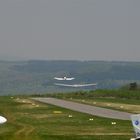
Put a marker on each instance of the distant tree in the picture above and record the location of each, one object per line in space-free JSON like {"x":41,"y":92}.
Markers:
{"x":133,"y":86}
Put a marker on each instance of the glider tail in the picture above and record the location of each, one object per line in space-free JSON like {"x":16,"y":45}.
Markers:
{"x":136,"y":124}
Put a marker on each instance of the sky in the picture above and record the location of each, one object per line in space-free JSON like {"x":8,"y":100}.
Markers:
{"x":70,"y":30}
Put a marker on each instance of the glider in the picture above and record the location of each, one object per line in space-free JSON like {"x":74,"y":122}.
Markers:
{"x":136,"y":124}
{"x":75,"y":85}
{"x":63,"y":78}
{"x":2,"y":119}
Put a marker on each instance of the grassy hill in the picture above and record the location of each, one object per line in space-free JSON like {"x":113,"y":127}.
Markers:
{"x":25,"y":77}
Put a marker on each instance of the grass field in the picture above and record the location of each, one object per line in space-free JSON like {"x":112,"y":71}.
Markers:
{"x":30,"y":120}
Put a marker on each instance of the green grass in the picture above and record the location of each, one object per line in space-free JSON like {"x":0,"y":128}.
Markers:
{"x":30,"y":120}
{"x":118,"y":96}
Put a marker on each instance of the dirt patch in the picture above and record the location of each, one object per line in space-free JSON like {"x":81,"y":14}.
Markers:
{"x":25,"y":130}
{"x":39,"y":116}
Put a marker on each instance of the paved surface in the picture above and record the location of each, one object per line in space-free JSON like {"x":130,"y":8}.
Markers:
{"x":97,"y":111}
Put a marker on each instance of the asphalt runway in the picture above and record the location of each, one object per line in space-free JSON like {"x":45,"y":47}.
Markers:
{"x":92,"y":110}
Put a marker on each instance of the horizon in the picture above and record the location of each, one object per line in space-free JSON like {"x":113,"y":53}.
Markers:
{"x":28,"y":60}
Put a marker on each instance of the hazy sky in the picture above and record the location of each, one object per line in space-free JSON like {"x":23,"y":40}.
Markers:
{"x":70,"y":29}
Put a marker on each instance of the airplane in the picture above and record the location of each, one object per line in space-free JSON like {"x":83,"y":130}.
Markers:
{"x":75,"y":85}
{"x":136,"y":124}
{"x":2,"y":120}
{"x":64,"y":78}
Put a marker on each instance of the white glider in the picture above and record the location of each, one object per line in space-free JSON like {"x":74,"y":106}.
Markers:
{"x":136,"y":124}
{"x":2,"y":120}
{"x":64,"y":78}
{"x":75,"y":85}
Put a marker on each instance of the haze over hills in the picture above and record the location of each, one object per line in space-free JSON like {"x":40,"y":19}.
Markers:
{"x":37,"y":76}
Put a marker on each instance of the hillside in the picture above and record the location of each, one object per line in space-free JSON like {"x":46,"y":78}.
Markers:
{"x":30,"y":77}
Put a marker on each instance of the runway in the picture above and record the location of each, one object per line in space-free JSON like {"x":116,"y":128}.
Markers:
{"x":92,"y":110}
